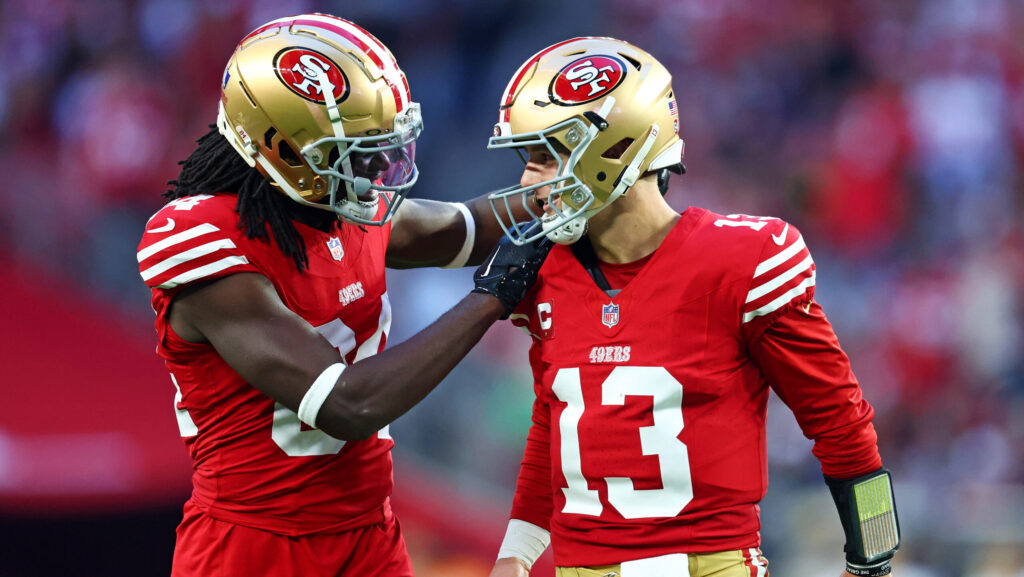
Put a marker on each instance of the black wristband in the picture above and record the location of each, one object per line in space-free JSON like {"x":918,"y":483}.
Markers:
{"x":875,"y":570}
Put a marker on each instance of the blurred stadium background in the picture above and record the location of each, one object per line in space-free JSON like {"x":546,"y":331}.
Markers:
{"x":890,"y":132}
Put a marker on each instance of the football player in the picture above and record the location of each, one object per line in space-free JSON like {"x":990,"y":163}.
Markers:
{"x":267,"y":278}
{"x":655,"y":339}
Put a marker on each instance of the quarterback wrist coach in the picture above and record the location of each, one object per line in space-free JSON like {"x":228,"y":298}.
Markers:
{"x":867,"y":510}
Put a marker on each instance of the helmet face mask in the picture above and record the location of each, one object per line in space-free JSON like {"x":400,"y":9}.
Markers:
{"x":355,"y":180}
{"x":568,"y":199}
{"x":608,"y":103}
{"x":320,"y":107}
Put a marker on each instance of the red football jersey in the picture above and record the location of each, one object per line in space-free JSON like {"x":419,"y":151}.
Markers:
{"x":648,"y":433}
{"x":254,"y":462}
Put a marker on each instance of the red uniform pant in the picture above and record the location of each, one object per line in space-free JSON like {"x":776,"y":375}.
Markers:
{"x":207,"y":547}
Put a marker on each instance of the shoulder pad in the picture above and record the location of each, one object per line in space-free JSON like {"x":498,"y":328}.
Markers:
{"x":191,"y":239}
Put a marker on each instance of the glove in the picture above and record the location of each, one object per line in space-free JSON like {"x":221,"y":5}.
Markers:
{"x":510,"y":270}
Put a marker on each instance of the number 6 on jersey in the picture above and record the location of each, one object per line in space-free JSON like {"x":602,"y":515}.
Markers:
{"x":661,"y":439}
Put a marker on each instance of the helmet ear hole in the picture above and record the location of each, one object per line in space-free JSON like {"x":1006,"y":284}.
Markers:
{"x":285,"y":153}
{"x":616,"y":150}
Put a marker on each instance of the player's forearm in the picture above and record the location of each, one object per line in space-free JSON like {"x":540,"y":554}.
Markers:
{"x":379,"y":389}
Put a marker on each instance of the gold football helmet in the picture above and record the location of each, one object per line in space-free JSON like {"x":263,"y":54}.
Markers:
{"x":320,"y":107}
{"x":606,"y":102}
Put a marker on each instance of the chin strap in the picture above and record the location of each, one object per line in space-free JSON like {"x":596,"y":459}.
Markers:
{"x":631,"y":173}
{"x":571,"y":232}
{"x":361,"y":185}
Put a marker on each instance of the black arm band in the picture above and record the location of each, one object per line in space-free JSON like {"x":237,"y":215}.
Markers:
{"x":867,"y":510}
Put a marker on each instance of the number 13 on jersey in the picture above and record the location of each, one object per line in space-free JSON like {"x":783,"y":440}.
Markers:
{"x":661,"y":440}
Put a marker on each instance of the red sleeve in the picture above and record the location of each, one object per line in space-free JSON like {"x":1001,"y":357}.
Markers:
{"x":800,"y":357}
{"x":533,"y":502}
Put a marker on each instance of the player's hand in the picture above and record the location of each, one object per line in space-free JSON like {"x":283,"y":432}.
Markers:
{"x":510,"y":270}
{"x":509,"y":567}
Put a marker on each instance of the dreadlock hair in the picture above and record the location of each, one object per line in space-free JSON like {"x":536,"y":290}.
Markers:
{"x":214,"y":166}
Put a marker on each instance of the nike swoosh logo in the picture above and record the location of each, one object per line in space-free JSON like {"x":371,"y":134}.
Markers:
{"x":781,"y":237}
{"x":164,"y":228}
{"x":487,"y":271}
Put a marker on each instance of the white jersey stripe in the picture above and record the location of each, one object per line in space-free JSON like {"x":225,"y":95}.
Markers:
{"x":756,"y":561}
{"x":174,"y":239}
{"x":370,"y":345}
{"x":204,"y":271}
{"x":781,"y":301}
{"x":183,"y":257}
{"x":758,"y":292}
{"x":780,"y":258}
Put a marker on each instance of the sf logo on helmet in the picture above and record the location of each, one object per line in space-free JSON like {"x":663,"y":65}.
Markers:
{"x":586,"y":79}
{"x":300,"y":69}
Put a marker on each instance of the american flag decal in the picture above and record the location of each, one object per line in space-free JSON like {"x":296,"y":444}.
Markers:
{"x":674,"y":113}
{"x":610,"y":315}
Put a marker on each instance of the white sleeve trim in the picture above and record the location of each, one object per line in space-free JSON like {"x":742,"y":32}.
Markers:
{"x":205,"y":271}
{"x":781,"y":301}
{"x":462,"y":257}
{"x":186,"y":256}
{"x":174,"y":239}
{"x":524,"y":541}
{"x":780,"y":258}
{"x":314,"y":398}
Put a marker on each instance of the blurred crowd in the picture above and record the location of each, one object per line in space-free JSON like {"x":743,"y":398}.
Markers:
{"x":890,"y":133}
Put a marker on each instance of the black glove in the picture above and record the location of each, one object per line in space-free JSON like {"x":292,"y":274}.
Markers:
{"x":510,"y":270}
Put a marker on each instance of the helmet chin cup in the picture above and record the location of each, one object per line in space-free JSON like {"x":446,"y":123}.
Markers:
{"x":565,"y":233}
{"x":357,"y":212}
{"x":361,"y":185}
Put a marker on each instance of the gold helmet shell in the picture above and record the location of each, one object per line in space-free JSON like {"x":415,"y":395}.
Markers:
{"x":322,"y":109}
{"x":606,"y":102}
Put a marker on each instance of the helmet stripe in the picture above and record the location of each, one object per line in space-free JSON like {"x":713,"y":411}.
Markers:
{"x":510,"y":90}
{"x":361,"y":39}
{"x":373,"y":48}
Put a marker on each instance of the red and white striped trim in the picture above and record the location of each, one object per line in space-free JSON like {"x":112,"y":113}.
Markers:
{"x":780,"y":258}
{"x":174,"y":239}
{"x":504,"y":110}
{"x":204,"y":271}
{"x":359,"y":39}
{"x":188,"y":256}
{"x":782,"y":278}
{"x":758,"y":565}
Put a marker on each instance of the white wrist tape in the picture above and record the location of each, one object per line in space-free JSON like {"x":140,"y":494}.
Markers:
{"x":462,"y":258}
{"x":524,"y":541}
{"x":314,"y":398}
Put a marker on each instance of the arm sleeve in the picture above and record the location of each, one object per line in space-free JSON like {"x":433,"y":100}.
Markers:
{"x":800,"y":357}
{"x":533,"y":502}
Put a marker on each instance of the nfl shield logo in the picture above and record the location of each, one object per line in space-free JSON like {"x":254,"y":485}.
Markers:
{"x":335,"y":245}
{"x":610,"y":314}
